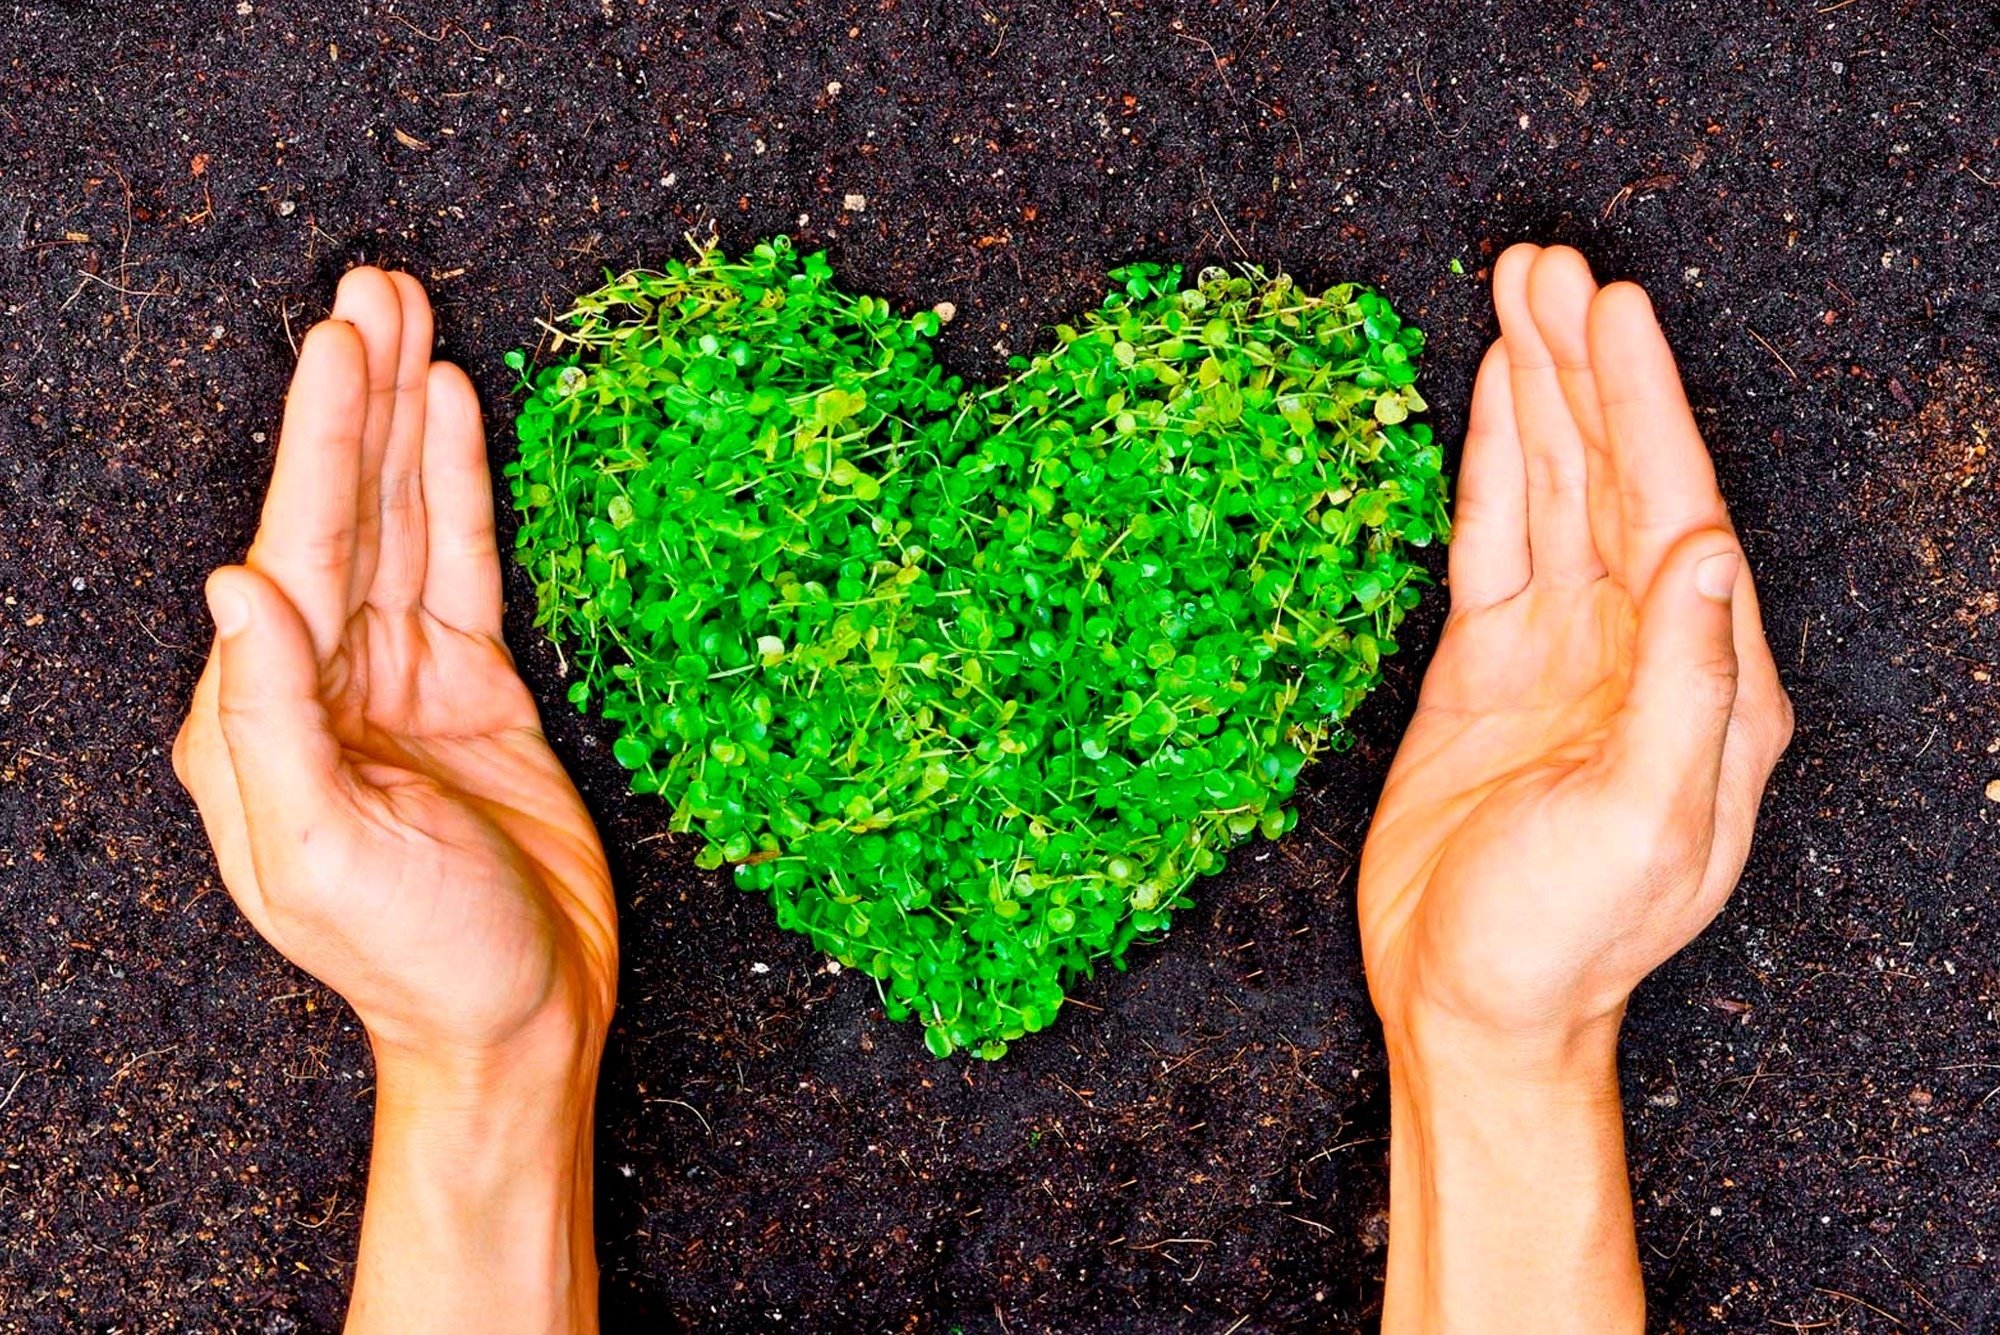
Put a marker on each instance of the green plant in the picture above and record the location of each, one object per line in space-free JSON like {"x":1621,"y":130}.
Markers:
{"x":974,"y":684}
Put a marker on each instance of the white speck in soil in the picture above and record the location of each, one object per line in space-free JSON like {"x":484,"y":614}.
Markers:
{"x":854,"y":202}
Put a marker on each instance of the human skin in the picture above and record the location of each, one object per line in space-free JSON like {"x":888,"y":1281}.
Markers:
{"x":387,"y":813}
{"x":1571,"y":804}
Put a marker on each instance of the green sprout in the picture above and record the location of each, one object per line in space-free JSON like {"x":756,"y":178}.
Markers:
{"x":973,"y":684}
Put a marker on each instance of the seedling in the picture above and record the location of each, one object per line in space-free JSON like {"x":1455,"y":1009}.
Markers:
{"x":973,"y":683}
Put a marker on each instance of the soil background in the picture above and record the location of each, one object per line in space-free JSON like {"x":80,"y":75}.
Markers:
{"x":1812,"y":194}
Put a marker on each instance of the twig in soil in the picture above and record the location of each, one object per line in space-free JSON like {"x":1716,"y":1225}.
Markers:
{"x":1331,"y":1150}
{"x":1773,"y":351}
{"x":1915,"y":1290}
{"x":1209,"y":46}
{"x":1828,"y":9}
{"x":173,"y":648}
{"x":9,"y":1098}
{"x":156,"y":1052}
{"x":446,"y":29}
{"x":683,"y":1103}
{"x":1836,"y":1293}
{"x":1276,"y":114}
{"x":1429,"y":104}
{"x":1226,"y":229}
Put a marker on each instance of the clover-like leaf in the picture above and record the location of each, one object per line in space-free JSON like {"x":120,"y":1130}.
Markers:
{"x":973,"y":685}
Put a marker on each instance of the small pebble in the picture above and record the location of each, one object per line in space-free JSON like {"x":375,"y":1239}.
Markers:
{"x":760,"y":968}
{"x":854,"y":202}
{"x":945,"y":312}
{"x":833,"y":89}
{"x":1993,"y":790}
{"x":286,"y":208}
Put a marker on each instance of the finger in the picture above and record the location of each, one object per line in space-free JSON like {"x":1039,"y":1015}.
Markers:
{"x":1559,"y":536}
{"x":1760,"y":729}
{"x":201,"y":760}
{"x":462,"y":582}
{"x":1489,"y":545}
{"x":1560,"y":290}
{"x":368,"y":300}
{"x":1667,"y":742}
{"x":306,"y":540}
{"x":1666,"y":483}
{"x":399,"y":568}
{"x":285,"y":757}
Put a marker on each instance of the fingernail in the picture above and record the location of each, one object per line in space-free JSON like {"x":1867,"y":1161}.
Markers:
{"x":230,"y":611}
{"x":1715,"y":576}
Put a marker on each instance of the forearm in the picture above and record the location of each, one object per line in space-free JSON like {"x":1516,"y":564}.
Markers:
{"x":479,"y":1197}
{"x":1509,"y":1207}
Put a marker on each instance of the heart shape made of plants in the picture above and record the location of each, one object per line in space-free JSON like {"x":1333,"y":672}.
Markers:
{"x":973,"y":683}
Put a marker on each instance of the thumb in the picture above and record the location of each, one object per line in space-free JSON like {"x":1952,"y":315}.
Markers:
{"x":1670,"y":735}
{"x":286,"y":759}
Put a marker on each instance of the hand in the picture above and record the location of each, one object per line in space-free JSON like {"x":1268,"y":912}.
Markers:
{"x":368,"y":764}
{"x":1571,"y":804}
{"x":1574,"y":798}
{"x":388,"y":814}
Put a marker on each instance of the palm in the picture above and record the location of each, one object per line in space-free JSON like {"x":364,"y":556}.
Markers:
{"x":1518,"y":701}
{"x":456,"y":881}
{"x":1523,"y":861}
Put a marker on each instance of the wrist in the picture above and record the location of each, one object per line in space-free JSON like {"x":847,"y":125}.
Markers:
{"x":1509,"y":1205}
{"x":480,"y":1187}
{"x":559,"y":1040}
{"x":1434,"y":1047}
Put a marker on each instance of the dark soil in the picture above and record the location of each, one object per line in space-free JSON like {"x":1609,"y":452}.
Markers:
{"x":1813,"y":196}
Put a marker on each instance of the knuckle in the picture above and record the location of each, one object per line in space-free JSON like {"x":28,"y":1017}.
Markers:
{"x":1785,"y":724}
{"x":1711,"y":684}
{"x":182,"y":752}
{"x":235,"y":718}
{"x":1557,"y":475}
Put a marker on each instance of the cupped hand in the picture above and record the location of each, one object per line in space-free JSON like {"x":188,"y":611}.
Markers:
{"x":1574,"y":798}
{"x":367,"y":762}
